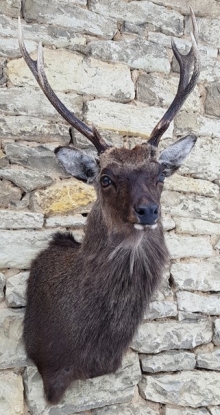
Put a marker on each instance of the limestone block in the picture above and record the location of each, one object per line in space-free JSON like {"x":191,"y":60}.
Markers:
{"x":208,"y":30}
{"x":137,"y":408}
{"x":215,"y":410}
{"x":202,"y":276}
{"x":160,"y":91}
{"x":154,"y":337}
{"x":66,"y":221}
{"x":160,"y":309}
{"x":209,"y":360}
{"x":195,"y":303}
{"x":185,"y":411}
{"x":15,"y":294}
{"x":217,"y":246}
{"x":187,"y":206}
{"x":12,"y":353}
{"x":9,"y":47}
{"x":20,"y":220}
{"x":66,"y":197}
{"x":211,"y":8}
{"x":18,"y":248}
{"x":70,"y":16}
{"x":196,"y":226}
{"x":181,"y":246}
{"x":9,"y":194}
{"x":199,"y":125}
{"x":36,"y":158}
{"x":140,"y":13}
{"x":137,"y":53}
{"x":2,"y":286}
{"x":216,"y":338}
{"x":11,"y":394}
{"x":68,"y":71}
{"x":168,"y":222}
{"x":10,"y":7}
{"x":130,"y":119}
{"x":168,"y":362}
{"x":187,"y":388}
{"x":212,"y":99}
{"x":189,"y":185}
{"x":85,"y":395}
{"x":27,"y":180}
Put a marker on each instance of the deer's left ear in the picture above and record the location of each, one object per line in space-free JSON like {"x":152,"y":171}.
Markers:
{"x":173,"y":156}
{"x":77,"y":163}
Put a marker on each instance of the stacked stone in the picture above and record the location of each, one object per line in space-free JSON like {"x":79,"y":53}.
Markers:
{"x":111,"y":62}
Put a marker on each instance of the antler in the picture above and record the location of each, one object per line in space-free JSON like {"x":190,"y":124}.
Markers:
{"x":186,"y":84}
{"x":37,"y":68}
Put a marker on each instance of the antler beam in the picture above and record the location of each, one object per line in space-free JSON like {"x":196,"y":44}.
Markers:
{"x":186,"y":83}
{"x":37,"y":69}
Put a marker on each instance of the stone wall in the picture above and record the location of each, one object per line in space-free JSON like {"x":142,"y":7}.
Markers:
{"x":111,"y":62}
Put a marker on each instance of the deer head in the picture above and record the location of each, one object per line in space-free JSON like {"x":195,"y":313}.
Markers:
{"x":128,"y":182}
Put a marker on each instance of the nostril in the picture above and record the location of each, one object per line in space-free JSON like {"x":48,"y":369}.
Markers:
{"x":155,"y":210}
{"x":140,"y":211}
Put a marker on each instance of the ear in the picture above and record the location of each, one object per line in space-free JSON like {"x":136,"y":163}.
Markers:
{"x":77,"y":163}
{"x":173,"y":156}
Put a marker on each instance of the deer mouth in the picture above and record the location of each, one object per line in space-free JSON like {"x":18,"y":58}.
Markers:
{"x":140,"y":227}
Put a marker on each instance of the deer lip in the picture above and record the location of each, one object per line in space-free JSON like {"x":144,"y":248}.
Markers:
{"x":140,"y":227}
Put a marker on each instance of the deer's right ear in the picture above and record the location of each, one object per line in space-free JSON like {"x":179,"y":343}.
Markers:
{"x":77,"y":163}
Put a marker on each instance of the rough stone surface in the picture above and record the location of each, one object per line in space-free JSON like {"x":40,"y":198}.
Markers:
{"x":130,"y":119}
{"x":199,"y":125}
{"x":11,"y":394}
{"x":9,"y":194}
{"x":85,"y":395}
{"x":187,"y":246}
{"x":27,"y":180}
{"x":15,"y":294}
{"x":69,"y":196}
{"x":137,"y":408}
{"x":188,"y":185}
{"x":18,"y":220}
{"x":217,"y":332}
{"x":160,"y":309}
{"x":215,"y":410}
{"x":168,"y":362}
{"x":209,"y":360}
{"x":185,"y":388}
{"x":12,"y":352}
{"x":2,"y":286}
{"x":202,"y":276}
{"x":185,"y":411}
{"x":196,"y":227}
{"x":155,"y":337}
{"x":68,"y":221}
{"x":195,"y":303}
{"x":212,"y":99}
{"x":211,"y":8}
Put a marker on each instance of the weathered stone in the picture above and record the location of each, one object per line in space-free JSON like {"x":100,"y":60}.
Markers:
{"x":69,"y":71}
{"x":36,"y":158}
{"x":27,"y":180}
{"x":212,"y":99}
{"x":19,"y":248}
{"x":66,"y":221}
{"x":155,"y":90}
{"x":3,"y":74}
{"x":216,"y":338}
{"x":187,"y":388}
{"x":196,"y":226}
{"x":154,"y":337}
{"x":168,"y":222}
{"x":10,"y":7}
{"x":66,"y":197}
{"x":190,"y":185}
{"x":215,"y":410}
{"x":2,"y":286}
{"x":137,"y":53}
{"x":181,"y":246}
{"x":11,"y":394}
{"x":211,"y":8}
{"x":12,"y":352}
{"x":160,"y":309}
{"x":70,"y":16}
{"x":168,"y":362}
{"x":137,"y":408}
{"x":85,"y":395}
{"x":199,"y":125}
{"x":18,"y":220}
{"x":185,"y":411}
{"x":131,"y":119}
{"x":9,"y":47}
{"x":191,"y":206}
{"x":208,"y":31}
{"x":15,"y":294}
{"x":209,"y":360}
{"x":141,"y":13}
{"x":3,"y":160}
{"x":163,"y":292}
{"x":202,"y":276}
{"x":9,"y":194}
{"x":217,"y":246}
{"x":195,"y":303}
{"x":182,"y":315}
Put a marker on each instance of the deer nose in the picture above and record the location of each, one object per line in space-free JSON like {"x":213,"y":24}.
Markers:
{"x":147,"y":215}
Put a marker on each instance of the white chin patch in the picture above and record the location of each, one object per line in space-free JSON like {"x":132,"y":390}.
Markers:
{"x":140,"y":227}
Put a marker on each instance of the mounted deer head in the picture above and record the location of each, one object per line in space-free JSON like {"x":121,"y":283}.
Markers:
{"x":106,"y":282}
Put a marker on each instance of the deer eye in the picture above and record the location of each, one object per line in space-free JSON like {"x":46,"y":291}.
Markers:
{"x":161,"y":177}
{"x":106,"y":181}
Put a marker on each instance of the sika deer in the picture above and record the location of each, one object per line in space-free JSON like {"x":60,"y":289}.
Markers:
{"x":85,"y":302}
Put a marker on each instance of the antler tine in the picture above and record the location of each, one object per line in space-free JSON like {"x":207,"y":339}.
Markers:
{"x":186,"y":84}
{"x":37,"y":68}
